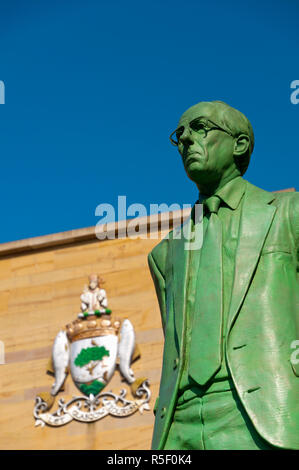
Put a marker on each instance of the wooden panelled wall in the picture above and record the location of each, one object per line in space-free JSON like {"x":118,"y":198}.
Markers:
{"x":39,"y":295}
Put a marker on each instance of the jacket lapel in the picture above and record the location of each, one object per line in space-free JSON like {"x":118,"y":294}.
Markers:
{"x":255,"y":222}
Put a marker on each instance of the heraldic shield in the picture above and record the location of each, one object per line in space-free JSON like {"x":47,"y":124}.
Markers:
{"x":93,"y":353}
{"x":91,"y":348}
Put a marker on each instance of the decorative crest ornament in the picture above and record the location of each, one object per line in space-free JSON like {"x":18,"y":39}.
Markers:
{"x":91,"y":347}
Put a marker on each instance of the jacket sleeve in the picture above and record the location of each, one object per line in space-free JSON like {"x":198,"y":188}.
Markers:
{"x":295,"y":225}
{"x":295,"y":216}
{"x":156,"y":261}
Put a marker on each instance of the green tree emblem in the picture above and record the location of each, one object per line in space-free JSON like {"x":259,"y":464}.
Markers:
{"x":91,"y":355}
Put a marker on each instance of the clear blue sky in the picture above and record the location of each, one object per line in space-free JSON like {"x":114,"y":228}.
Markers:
{"x":94,"y":88}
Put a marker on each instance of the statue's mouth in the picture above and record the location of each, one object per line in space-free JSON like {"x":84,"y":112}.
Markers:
{"x":193,"y":157}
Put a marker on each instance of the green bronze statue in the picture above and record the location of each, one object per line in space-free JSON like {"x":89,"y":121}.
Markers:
{"x":230,"y":308}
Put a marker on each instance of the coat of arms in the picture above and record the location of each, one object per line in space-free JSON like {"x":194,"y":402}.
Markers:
{"x":91,"y":348}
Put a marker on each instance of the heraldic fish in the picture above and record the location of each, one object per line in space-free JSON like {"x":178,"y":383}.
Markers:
{"x":125,"y":350}
{"x":60,"y":358}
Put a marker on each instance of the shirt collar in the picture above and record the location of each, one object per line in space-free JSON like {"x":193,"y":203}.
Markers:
{"x":231,"y":193}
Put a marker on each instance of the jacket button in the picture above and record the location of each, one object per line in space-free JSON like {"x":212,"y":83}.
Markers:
{"x":175,"y":362}
{"x":163,"y":412}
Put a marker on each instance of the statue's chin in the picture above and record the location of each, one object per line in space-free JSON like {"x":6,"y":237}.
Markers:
{"x":201,"y":176}
{"x":196,"y":172}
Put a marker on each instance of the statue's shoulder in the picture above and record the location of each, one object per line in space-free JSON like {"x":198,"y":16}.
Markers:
{"x":160,"y":248}
{"x":288,"y":204}
{"x":277,"y":198}
{"x":287,"y":199}
{"x":288,"y":195}
{"x":159,"y":254}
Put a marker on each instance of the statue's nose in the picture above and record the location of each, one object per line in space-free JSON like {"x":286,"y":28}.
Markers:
{"x":186,"y":137}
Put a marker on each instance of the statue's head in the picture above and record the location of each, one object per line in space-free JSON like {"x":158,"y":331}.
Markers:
{"x":95,"y":281}
{"x":215,"y":141}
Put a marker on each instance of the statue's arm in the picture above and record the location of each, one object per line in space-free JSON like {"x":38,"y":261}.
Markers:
{"x":295,"y":219}
{"x":102,"y":298}
{"x":84,"y":302}
{"x":295,"y":225}
{"x":156,"y":261}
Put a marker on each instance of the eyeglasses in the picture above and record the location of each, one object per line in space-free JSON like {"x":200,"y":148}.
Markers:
{"x":199,"y":126}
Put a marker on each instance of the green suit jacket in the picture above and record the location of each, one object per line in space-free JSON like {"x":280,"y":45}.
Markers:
{"x":262,"y":320}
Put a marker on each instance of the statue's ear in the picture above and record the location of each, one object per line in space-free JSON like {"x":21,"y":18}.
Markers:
{"x":241,"y":144}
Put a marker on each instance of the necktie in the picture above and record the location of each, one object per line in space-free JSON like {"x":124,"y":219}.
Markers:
{"x":205,"y":348}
